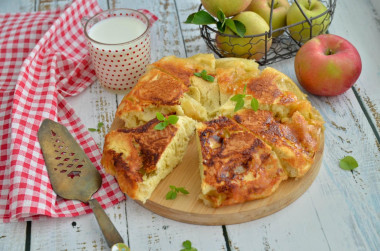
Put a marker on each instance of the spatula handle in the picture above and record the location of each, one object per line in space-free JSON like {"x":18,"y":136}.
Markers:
{"x":109,"y":231}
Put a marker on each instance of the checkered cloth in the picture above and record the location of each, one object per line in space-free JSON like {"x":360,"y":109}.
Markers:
{"x":43,"y":59}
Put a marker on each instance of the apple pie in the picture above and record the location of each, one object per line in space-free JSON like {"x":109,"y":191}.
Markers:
{"x":243,"y":155}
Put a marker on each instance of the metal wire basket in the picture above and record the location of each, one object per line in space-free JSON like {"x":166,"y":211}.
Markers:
{"x":277,"y":48}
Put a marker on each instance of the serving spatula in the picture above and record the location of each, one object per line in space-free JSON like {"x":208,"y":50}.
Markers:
{"x":72,"y":174}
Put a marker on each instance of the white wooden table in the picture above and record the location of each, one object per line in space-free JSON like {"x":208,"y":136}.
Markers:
{"x":340,"y":211}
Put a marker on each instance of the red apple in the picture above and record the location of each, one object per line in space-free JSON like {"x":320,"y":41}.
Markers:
{"x":327,"y":65}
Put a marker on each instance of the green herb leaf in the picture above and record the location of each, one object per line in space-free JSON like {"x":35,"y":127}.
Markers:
{"x":237,"y":97}
{"x":203,"y":74}
{"x":99,"y":126}
{"x":201,"y":18}
{"x":187,"y":246}
{"x":198,"y":74}
{"x":348,"y":163}
{"x":172,"y":194}
{"x":173,"y":119}
{"x":254,"y":104}
{"x":240,"y":28}
{"x":160,"y":126}
{"x":160,"y":117}
{"x":172,"y":188}
{"x":183,"y":190}
{"x":209,"y":78}
{"x":239,"y":105}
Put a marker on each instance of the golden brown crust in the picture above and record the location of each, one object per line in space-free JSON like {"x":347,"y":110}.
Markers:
{"x":242,"y":161}
{"x":149,"y":92}
{"x":129,"y":154}
{"x":294,"y":141}
{"x":265,"y":89}
{"x":239,"y":166}
{"x":184,"y":68}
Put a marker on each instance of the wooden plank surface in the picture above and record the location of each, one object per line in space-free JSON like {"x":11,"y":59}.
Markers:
{"x":358,"y":22}
{"x":340,"y":211}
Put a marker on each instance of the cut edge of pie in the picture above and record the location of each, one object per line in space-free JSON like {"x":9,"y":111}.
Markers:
{"x":141,"y":157}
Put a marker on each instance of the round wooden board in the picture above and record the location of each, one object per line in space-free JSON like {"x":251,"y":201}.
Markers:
{"x":190,"y":209}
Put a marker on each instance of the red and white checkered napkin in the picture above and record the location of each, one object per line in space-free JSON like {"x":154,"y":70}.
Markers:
{"x":33,"y":86}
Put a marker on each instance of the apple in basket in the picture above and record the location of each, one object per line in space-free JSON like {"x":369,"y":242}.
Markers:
{"x":252,"y":48}
{"x":311,"y":8}
{"x":280,"y":9}
{"x":327,"y":65}
{"x":228,"y":7}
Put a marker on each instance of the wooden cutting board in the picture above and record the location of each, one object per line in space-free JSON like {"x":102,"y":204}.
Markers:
{"x":188,"y":208}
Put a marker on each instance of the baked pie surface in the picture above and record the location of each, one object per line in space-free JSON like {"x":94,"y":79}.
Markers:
{"x":276,"y":142}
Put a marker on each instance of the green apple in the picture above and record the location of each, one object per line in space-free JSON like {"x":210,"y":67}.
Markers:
{"x":229,"y":7}
{"x":311,"y":8}
{"x":252,"y":48}
{"x":280,"y":9}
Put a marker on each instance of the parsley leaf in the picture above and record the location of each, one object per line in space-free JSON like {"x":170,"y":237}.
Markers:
{"x":172,"y":194}
{"x":160,"y":117}
{"x":239,"y":99}
{"x":100,"y":125}
{"x":239,"y":105}
{"x":187,"y":246}
{"x":254,"y":104}
{"x":348,"y":163}
{"x":172,"y":119}
{"x":203,"y":74}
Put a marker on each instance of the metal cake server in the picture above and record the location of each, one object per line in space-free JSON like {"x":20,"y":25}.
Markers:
{"x":72,"y":174}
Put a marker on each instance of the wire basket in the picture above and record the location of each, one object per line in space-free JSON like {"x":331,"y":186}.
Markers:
{"x":274,"y":49}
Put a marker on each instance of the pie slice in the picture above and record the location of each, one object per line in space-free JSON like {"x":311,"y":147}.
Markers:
{"x":205,"y":92}
{"x":158,"y":91}
{"x":141,"y":157}
{"x":295,"y":141}
{"x":274,"y":91}
{"x":235,"y":165}
{"x":232,"y":73}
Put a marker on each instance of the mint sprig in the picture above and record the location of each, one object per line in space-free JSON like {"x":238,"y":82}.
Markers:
{"x":172,"y":119}
{"x":203,"y":74}
{"x":187,"y":246}
{"x":239,"y":99}
{"x":204,"y":18}
{"x":348,"y":163}
{"x":172,"y":194}
{"x":100,"y":125}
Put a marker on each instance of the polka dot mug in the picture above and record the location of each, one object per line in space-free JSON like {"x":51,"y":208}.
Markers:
{"x":119,"y":45}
